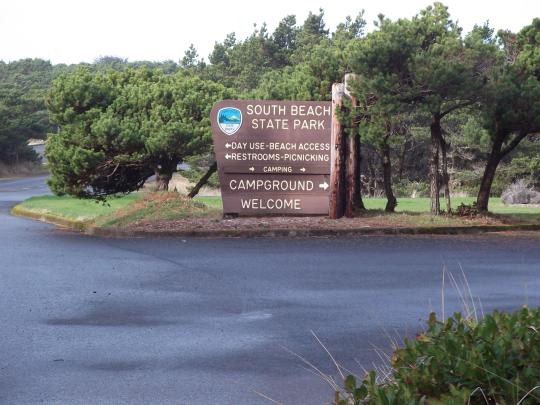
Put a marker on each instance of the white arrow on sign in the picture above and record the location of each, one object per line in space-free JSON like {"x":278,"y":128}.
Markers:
{"x":227,"y":156}
{"x":324,"y":185}
{"x":228,"y":145}
{"x":251,"y":169}
{"x":303,"y":169}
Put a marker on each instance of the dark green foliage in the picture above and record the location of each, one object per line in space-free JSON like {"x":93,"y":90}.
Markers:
{"x":511,"y":103}
{"x":525,"y":165}
{"x":312,"y":32}
{"x":315,"y":64}
{"x":190,"y":60}
{"x":294,"y":62}
{"x":105,"y":63}
{"x":22,"y":109}
{"x":351,"y":28}
{"x":310,"y":80}
{"x":284,"y":39}
{"x":420,"y":67}
{"x":453,"y":360}
{"x":241,"y":64}
{"x":118,"y":128}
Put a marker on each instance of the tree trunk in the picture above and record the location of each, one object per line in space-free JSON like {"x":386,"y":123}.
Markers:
{"x":445,"y":176}
{"x":494,"y":158}
{"x":435,"y":128}
{"x":354,"y":196}
{"x":387,"y":177}
{"x":485,"y":186}
{"x":358,"y":202}
{"x":354,"y":186}
{"x":162,"y":180}
{"x":164,"y":172}
{"x":203,"y":180}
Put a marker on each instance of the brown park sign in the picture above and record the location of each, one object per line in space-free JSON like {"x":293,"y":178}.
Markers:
{"x":273,"y":157}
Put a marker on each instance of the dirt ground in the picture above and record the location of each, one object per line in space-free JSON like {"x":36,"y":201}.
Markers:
{"x":367,"y":221}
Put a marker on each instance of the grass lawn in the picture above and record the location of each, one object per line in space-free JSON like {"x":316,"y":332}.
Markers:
{"x":211,"y":202}
{"x":422,"y":205}
{"x":136,"y":207}
{"x":75,"y":209}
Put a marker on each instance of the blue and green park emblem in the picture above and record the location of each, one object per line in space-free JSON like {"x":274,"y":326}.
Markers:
{"x":229,"y":120}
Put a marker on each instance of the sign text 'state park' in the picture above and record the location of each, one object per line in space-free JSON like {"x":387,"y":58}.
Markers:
{"x":273,"y":156}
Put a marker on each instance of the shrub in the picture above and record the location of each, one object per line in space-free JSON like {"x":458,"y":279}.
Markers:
{"x":467,"y":210}
{"x":493,"y":362}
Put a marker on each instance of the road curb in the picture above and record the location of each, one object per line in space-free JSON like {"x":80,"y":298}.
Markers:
{"x":306,"y":233}
{"x":88,"y":229}
{"x":50,"y":218}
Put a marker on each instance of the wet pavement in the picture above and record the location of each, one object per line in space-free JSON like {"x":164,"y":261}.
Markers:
{"x":85,"y":320}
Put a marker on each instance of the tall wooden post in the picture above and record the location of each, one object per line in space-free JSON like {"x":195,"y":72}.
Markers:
{"x":337,"y":176}
{"x":353,"y":197}
{"x":358,"y":201}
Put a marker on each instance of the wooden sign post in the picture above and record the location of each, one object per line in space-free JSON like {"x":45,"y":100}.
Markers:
{"x":354,"y":191}
{"x":287,"y":157}
{"x":337,"y":156}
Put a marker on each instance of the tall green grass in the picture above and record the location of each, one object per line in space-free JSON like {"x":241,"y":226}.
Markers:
{"x":423,"y":204}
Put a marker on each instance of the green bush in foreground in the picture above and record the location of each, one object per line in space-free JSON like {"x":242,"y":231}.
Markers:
{"x":492,"y":362}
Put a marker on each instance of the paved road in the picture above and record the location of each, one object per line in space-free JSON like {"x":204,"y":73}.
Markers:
{"x":100,"y":321}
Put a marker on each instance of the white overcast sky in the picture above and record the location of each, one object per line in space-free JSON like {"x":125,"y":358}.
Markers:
{"x":72,"y":31}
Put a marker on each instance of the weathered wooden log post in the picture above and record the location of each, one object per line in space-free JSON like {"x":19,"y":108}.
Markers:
{"x":353,"y":193}
{"x":337,"y":156}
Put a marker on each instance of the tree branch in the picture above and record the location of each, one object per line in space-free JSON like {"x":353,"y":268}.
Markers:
{"x":456,"y":107}
{"x":515,"y":142}
{"x":203,"y":180}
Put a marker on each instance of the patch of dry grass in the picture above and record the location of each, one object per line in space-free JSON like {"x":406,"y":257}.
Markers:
{"x":157,"y":207}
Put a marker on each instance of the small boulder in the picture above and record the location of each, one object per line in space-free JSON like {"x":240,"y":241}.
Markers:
{"x":520,"y":193}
